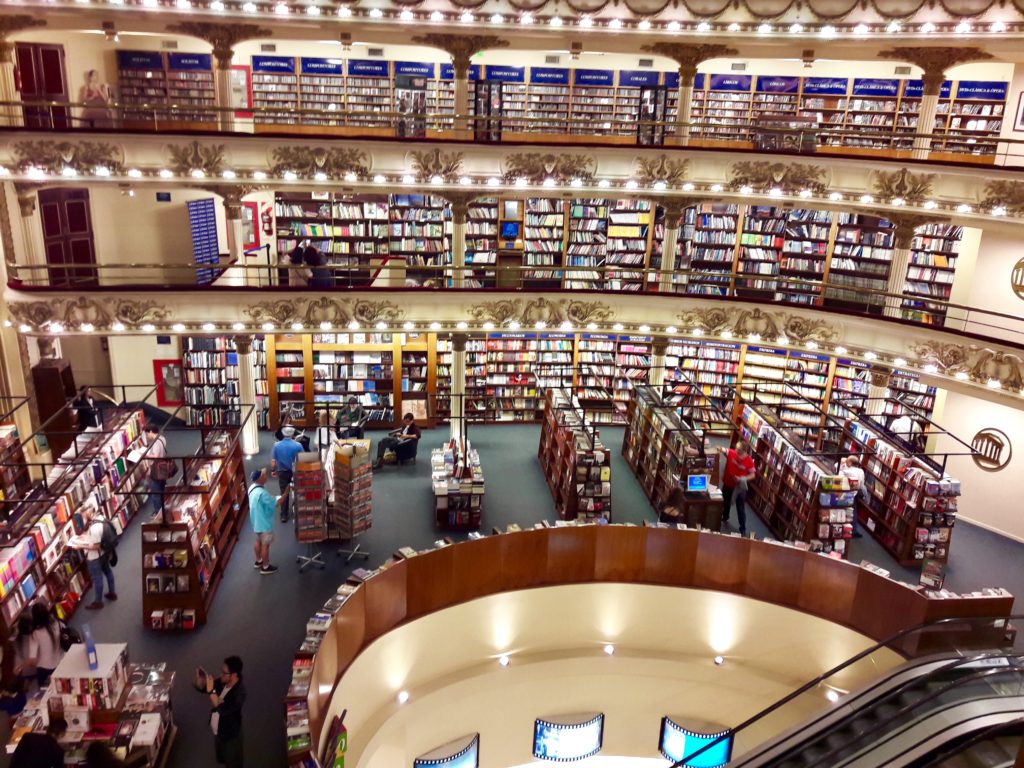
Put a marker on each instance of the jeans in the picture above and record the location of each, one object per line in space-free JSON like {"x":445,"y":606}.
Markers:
{"x":284,"y":481}
{"x":156,"y":495}
{"x":386,"y":444}
{"x":728,"y":494}
{"x":99,"y":568}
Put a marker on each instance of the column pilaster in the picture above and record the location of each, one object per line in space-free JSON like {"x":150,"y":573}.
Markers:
{"x":247,"y":393}
{"x":657,"y":375}
{"x":905,"y":226}
{"x":458,"y":385}
{"x":674,"y":208}
{"x":10,"y":115}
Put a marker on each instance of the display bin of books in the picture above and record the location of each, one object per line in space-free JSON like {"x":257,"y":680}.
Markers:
{"x":352,"y":502}
{"x":310,"y":500}
{"x":183,"y":559}
{"x":126,"y":705}
{"x":457,"y":480}
{"x":576,"y":464}
{"x":14,"y":476}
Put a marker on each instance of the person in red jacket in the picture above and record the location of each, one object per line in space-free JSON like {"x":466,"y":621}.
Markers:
{"x":739,"y":470}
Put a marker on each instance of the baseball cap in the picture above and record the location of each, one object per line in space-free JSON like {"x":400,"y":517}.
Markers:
{"x":255,"y":475}
{"x":287,"y":431}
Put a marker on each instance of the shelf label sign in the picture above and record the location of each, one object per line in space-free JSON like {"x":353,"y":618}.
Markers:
{"x":505,"y":74}
{"x":872,"y":86}
{"x":826,"y":86}
{"x":672,"y":81}
{"x":914,"y":89}
{"x":731,"y":82}
{"x":778,"y":84}
{"x":284,"y":64}
{"x":637,"y":78}
{"x":140,"y":60}
{"x":322,"y":66}
{"x":981,"y":89}
{"x":448,"y":71}
{"x":367,"y":68}
{"x":513,"y":336}
{"x":550,"y":75}
{"x":418,"y":68}
{"x":593,"y":77}
{"x":598,"y":336}
{"x":766,"y":350}
{"x":202,"y":62}
{"x":640,"y":339}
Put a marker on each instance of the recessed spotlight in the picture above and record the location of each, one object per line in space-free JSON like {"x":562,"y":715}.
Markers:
{"x":268,"y":326}
{"x":166,"y":174}
{"x":259,"y":175}
{"x":659,"y":186}
{"x":719,"y":661}
{"x":249,"y":7}
{"x":586,"y":22}
{"x":796,"y":29}
{"x":576,"y":183}
{"x":540,"y":324}
{"x":379,"y":178}
{"x":670,"y":329}
{"x":313,"y":10}
{"x":930,"y":205}
{"x":465,"y":181}
{"x":497,"y":18}
{"x":148,"y":327}
{"x":811,"y":345}
{"x":281,"y":9}
{"x":406,"y":15}
{"x":178,"y":327}
{"x":835,"y":196}
{"x":209,"y":327}
{"x":604,"y":184}
{"x":963,"y":28}
{"x":632,"y":184}
{"x":319,"y":176}
{"x":117,"y":327}
{"x":861,"y":29}
{"x":87,"y":327}
{"x":644,"y":328}
{"x":745,"y":190}
{"x":526,"y":18}
{"x":927,"y":27}
{"x":930,"y":368}
{"x":493,"y":181}
{"x":290,"y":176}
{"x":734,"y":27}
{"x":556,"y":21}
{"x":688,"y":187}
{"x":353,"y":325}
{"x":998,"y":26}
{"x":716,"y":187}
{"x":618,"y":327}
{"x":999,"y":210}
{"x":101,"y":170}
{"x":673,"y":26}
{"x":403,"y":696}
{"x":513,"y":324}
{"x":774,"y":192}
{"x":238,"y":326}
{"x":217,"y":5}
{"x":755,"y":337}
{"x":437,"y":16}
{"x":899,"y":361}
{"x":296,"y":326}
{"x":351,"y":176}
{"x":407,"y":326}
{"x":894,"y":27}
{"x":549,"y":182}
{"x":960,"y":375}
{"x":869,"y":355}
{"x":488,"y":326}
{"x":828,"y":31}
{"x":832,"y":695}
{"x":898,"y":202}
{"x":228,"y":175}
{"x":697,"y":332}
{"x":504,"y":660}
{"x":326,"y":325}
{"x":566,"y":325}
{"x":726,"y":334}
{"x":591,"y":326}
{"x":963,"y":208}
{"x":805,"y":193}
{"x":435,"y":326}
{"x":783,"y":340}
{"x":993,"y":384}
{"x":68,"y":172}
{"x":521,"y":182}
{"x":466,"y":17}
{"x":381,"y":325}
{"x":376,"y":13}
{"x":609,"y":649}
{"x":644,"y":25}
{"x":764,"y":29}
{"x":840,"y":350}
{"x":462,"y":325}
{"x":408,"y":179}
{"x":867,"y":199}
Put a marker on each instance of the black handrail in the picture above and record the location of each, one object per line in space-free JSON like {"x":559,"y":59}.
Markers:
{"x":731,"y":732}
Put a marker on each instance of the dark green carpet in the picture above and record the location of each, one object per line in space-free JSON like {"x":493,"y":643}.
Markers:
{"x":262,"y":618}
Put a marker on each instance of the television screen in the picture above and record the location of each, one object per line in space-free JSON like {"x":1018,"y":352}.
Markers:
{"x":461,"y":753}
{"x":509,"y":230}
{"x":697,"y":483}
{"x":676,"y":742}
{"x":568,"y":738}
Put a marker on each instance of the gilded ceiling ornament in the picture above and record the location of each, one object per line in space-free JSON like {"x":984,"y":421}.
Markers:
{"x":1005,"y":367}
{"x":710,"y":319}
{"x":670,"y":171}
{"x":326,"y":309}
{"x":54,"y":156}
{"x":282,"y":312}
{"x":334,"y":161}
{"x":912,"y":187}
{"x":934,"y":61}
{"x":134,"y":311}
{"x":761,"y":174}
{"x":368,"y":312}
{"x":536,"y":167}
{"x":223,"y":37}
{"x":35,"y":313}
{"x":84,"y":309}
{"x":433,"y":162}
{"x":906,"y":224}
{"x":496,"y":312}
{"x":948,"y":358}
{"x":10,"y":25}
{"x":186,"y":158}
{"x":583,"y":312}
{"x":540,"y":309}
{"x":688,"y":56}
{"x":461,"y":48}
{"x":1007,"y":194}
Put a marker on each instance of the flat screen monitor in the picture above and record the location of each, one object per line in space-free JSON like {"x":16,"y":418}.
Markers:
{"x":572,"y":737}
{"x":461,"y":753}
{"x":697,"y":483}
{"x":676,"y":742}
{"x":510,"y":230}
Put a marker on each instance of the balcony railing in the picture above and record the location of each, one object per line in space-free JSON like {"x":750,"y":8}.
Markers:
{"x":780,"y":134}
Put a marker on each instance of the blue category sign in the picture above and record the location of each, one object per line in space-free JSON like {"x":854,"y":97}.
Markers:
{"x":322,"y":66}
{"x":417,"y":68}
{"x":202,"y":62}
{"x":774,"y":84}
{"x":872,"y":86}
{"x":766,"y":350}
{"x":551,"y":75}
{"x":915,"y":89}
{"x":140,"y":60}
{"x":202,"y":219}
{"x":285,"y":64}
{"x":504,"y":74}
{"x":982,"y":89}
{"x":448,"y":71}
{"x":593,"y":77}
{"x":826,"y":86}
{"x":513,"y":336}
{"x":672,"y":80}
{"x":730,"y":82}
{"x":598,"y":336}
{"x":638,"y":78}
{"x":367,"y":68}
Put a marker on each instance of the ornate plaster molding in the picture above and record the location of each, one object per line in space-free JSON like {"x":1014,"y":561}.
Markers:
{"x":223,"y":37}
{"x":912,"y":187}
{"x":906,"y":224}
{"x":535,"y":167}
{"x":195,"y":156}
{"x":770,"y":325}
{"x":332,"y":161}
{"x":688,"y":56}
{"x":429,"y":163}
{"x":312,"y":312}
{"x":461,"y":48}
{"x":981,"y":364}
{"x":9,"y":25}
{"x":85,"y":309}
{"x":670,"y":171}
{"x":762,"y":174}
{"x":934,"y":61}
{"x":550,"y":311}
{"x":81,"y":156}
{"x":243,"y":343}
{"x":1007,"y":194}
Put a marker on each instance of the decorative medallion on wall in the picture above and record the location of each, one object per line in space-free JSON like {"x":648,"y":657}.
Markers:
{"x":433,"y":162}
{"x":669,"y":171}
{"x":762,"y":175}
{"x":1017,"y":279}
{"x":910,"y":187}
{"x":992,"y":449}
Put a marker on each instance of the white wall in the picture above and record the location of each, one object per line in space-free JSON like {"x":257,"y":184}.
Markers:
{"x":131,"y":364}
{"x":1014,"y":107}
{"x":89,"y":360}
{"x":989,"y":286}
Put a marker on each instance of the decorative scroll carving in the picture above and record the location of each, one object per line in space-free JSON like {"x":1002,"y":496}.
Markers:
{"x":761,"y":174}
{"x":934,"y":62}
{"x":335,"y":161}
{"x":460,"y":47}
{"x":81,"y":156}
{"x":912,"y":187}
{"x":232,"y":195}
{"x":688,"y":56}
{"x":906,"y":224}
{"x":769,"y":325}
{"x":662,"y":168}
{"x":981,"y":364}
{"x":195,"y":156}
{"x":312,"y":312}
{"x":1008,"y":194}
{"x":10,"y":25}
{"x":433,"y":162}
{"x":85,"y":309}
{"x":536,"y":167}
{"x":366,"y":312}
{"x":528,"y":312}
{"x":223,"y":37}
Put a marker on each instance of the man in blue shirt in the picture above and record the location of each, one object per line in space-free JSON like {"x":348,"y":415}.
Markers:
{"x":261,"y":516}
{"x":282,"y":462}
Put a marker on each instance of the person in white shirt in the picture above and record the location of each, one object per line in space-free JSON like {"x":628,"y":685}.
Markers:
{"x":46,"y":637}
{"x":905,"y":427}
{"x":91,"y":541}
{"x":850,"y":468}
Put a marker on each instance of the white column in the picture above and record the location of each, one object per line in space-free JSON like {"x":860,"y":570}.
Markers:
{"x":458,"y":385}
{"x":657,"y":374}
{"x":897,"y":279}
{"x":673,"y":214}
{"x":925,"y":125}
{"x":459,"y":210}
{"x":32,"y":234}
{"x":685,"y":107}
{"x":222,"y":85}
{"x":877,"y":392}
{"x":463,"y":128}
{"x":237,"y":274}
{"x":247,"y":393}
{"x":9,"y":115}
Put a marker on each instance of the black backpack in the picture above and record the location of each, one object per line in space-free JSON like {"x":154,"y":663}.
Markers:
{"x":108,"y":543}
{"x":68,"y":636}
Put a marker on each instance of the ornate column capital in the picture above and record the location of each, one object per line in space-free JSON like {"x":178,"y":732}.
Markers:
{"x":934,"y":62}
{"x":232,"y":195}
{"x":223,"y":37}
{"x":460,"y":202}
{"x":688,"y":56}
{"x":674,"y":207}
{"x":905,"y":224}
{"x":911,"y":187}
{"x":9,"y":25}
{"x":659,"y":347}
{"x":459,"y":342}
{"x":243,"y":344}
{"x":26,"y":198}
{"x":461,"y":48}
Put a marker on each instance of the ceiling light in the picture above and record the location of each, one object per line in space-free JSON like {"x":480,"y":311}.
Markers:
{"x":381,"y":325}
{"x":268,"y":326}
{"x":408,"y":179}
{"x":866,"y":199}
{"x":290,"y":176}
{"x":963,"y":208}
{"x":379,"y":178}
{"x":353,"y":325}
{"x":775,"y":192}
{"x":149,"y":3}
{"x":24,"y":328}
{"x":406,"y":15}
{"x":930,"y":368}
{"x":998,"y":26}
{"x":604,"y":184}
{"x":549,"y":182}
{"x":644,"y":329}
{"x":504,"y":660}
{"x":466,"y":17}
{"x":754,"y":337}
{"x":259,"y":175}
{"x":376,"y":13}
{"x":670,"y":329}
{"x":555,"y":21}
{"x":927,"y":27}
{"x":726,"y":334}
{"x":249,"y":7}
{"x":861,"y":29}
{"x":461,"y":325}
{"x":209,"y":327}
{"x":351,"y":176}
{"x":586,"y":22}
{"x":56,"y":327}
{"x":238,"y":326}
{"x":228,"y":175}
{"x":326,"y":325}
{"x":632,"y":184}
{"x":87,"y":327}
{"x":899,"y":361}
{"x":992,"y":384}
{"x":526,"y":18}
{"x":811,"y":345}
{"x":999,"y":210}
{"x":796,"y":29}
{"x":828,"y":31}
{"x":805,"y":193}
{"x":566,"y":325}
{"x":764,"y":29}
{"x":403,"y":696}
{"x":719,"y":661}
{"x":117,"y":327}
{"x":716,"y":187}
{"x":576,"y":183}
{"x":688,"y":187}
{"x":148,"y":327}
{"x":488,"y":326}
{"x":831,"y":695}
{"x":962,"y":28}
{"x":893,"y":27}
{"x":178,"y":327}
{"x":834,"y":196}
{"x":659,"y":186}
{"x":898,"y":201}
{"x":513,"y":324}
{"x":615,"y":24}
{"x":520,"y":182}
{"x":734,"y":27}
{"x":493,"y":181}
{"x":745,"y":190}
{"x":644,"y":25}
{"x":703,"y":27}
{"x":437,"y":16}
{"x":931,"y":205}
{"x":618,"y":327}
{"x":497,"y":19}
{"x":870,"y":355}
{"x":407,"y":326}
{"x":68,"y":172}
{"x":840,"y":350}
{"x":313,"y":10}
{"x":166,"y":174}
{"x":697,"y":332}
{"x":198,"y":173}
{"x":609,"y":649}
{"x":216,"y":5}
{"x":540,"y":325}
{"x":673,"y":26}
{"x":783,"y":340}
{"x":344,"y":11}
{"x":101,"y":170}
{"x":465,"y":181}
{"x":296,"y":326}
{"x":435,"y":326}
{"x":960,"y":375}
{"x":281,"y":9}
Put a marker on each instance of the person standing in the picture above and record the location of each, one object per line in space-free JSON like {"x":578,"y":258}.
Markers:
{"x":155,"y":470}
{"x":739,"y":470}
{"x":95,"y":94}
{"x":851,"y":469}
{"x":408,"y":432}
{"x":86,"y":409}
{"x":227,"y":695}
{"x":41,"y":750}
{"x":46,"y":635}
{"x":905,"y":427}
{"x":96,"y":559}
{"x":282,"y":465}
{"x":261,"y":516}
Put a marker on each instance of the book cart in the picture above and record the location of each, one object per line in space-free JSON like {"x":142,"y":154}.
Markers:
{"x":457,"y":481}
{"x":184,"y":555}
{"x":309,"y":503}
{"x":351,"y":500}
{"x":576,"y":465}
{"x":125,"y":704}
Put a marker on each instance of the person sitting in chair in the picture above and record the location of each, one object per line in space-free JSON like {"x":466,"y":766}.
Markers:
{"x":350,"y":420}
{"x":405,"y":434}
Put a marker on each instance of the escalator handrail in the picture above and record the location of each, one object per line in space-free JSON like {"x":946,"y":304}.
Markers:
{"x":992,"y":731}
{"x":907,"y":709}
{"x":731,"y":732}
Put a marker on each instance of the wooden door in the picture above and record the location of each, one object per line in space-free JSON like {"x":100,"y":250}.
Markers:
{"x":67,"y":237}
{"x":43,"y":77}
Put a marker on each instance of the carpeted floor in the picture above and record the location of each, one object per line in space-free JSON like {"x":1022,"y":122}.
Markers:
{"x":262,"y":618}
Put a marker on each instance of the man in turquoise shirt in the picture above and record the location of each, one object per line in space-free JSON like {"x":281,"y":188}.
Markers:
{"x":262,"y":507}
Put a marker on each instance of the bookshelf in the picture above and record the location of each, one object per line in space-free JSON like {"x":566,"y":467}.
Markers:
{"x":190,"y":83}
{"x":419,"y":371}
{"x":657,"y":246}
{"x":587,"y":242}
{"x":368,"y":93}
{"x":350,"y":512}
{"x":713,"y":366}
{"x":592,"y":106}
{"x":629,"y":242}
{"x":861,"y":258}
{"x":360,"y":365}
{"x":322,"y":87}
{"x":555,"y":361}
{"x":14,"y":475}
{"x":907,"y":387}
{"x":141,"y":80}
{"x":547,"y":106}
{"x":708,"y":244}
{"x":275,"y":88}
{"x":850,"y":388}
{"x":871,"y":112}
{"x":775,"y":97}
{"x":633,"y":368}
{"x":511,"y":381}
{"x":575,"y":463}
{"x":597,"y":366}
{"x":310,"y":497}
{"x":809,"y":239}
{"x":975,"y":119}
{"x":420,"y":228}
{"x":762,"y":237}
{"x":476,"y":400}
{"x":933,"y":257}
{"x":723,"y":112}
{"x":210,"y":366}
{"x":543,"y":242}
{"x":482,"y":242}
{"x":441,"y":94}
{"x":457,"y":480}
{"x":184,"y":560}
{"x":627,"y":105}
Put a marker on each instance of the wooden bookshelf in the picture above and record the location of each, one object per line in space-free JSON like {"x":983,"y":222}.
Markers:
{"x":210,"y":366}
{"x":511,"y":380}
{"x":482,"y":242}
{"x":457,"y":480}
{"x":184,"y":560}
{"x":596,"y":374}
{"x":14,"y":475}
{"x":708,"y":247}
{"x":420,"y":230}
{"x":141,"y":82}
{"x":629,"y":244}
{"x":933,"y":258}
{"x":586,"y":243}
{"x":544,"y":239}
{"x":275,"y":87}
{"x":575,"y":463}
{"x":861,"y":258}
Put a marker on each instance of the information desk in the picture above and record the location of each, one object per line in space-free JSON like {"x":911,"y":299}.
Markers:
{"x":695,"y":509}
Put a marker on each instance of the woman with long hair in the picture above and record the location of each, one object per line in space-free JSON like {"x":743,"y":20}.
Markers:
{"x":46,"y":634}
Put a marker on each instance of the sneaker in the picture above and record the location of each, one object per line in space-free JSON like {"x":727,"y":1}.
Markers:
{"x":111,"y":595}
{"x":267,"y":569}
{"x":93,"y":606}
{"x":258,"y":564}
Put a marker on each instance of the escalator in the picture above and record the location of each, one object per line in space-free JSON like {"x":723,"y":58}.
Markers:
{"x":997,"y":747}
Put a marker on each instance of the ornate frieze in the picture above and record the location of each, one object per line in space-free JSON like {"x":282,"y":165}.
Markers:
{"x":527,"y":312}
{"x":337,"y":162}
{"x":769,"y":325}
{"x":934,"y":61}
{"x":980,"y":364}
{"x":536,"y":167}
{"x":81,"y":310}
{"x":461,"y":48}
{"x":669,"y":171}
{"x":186,"y":158}
{"x":223,"y":37}
{"x":433,"y":162}
{"x":80,"y":156}
{"x":688,"y":56}
{"x":791,"y":177}
{"x":911,"y":187}
{"x":1005,"y":194}
{"x":324,"y":309}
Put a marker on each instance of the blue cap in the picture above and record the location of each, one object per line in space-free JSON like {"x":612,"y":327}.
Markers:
{"x":255,"y":475}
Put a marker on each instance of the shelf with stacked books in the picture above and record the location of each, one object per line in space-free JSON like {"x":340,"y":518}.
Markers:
{"x":420,"y":227}
{"x":861,"y":259}
{"x":141,"y":82}
{"x":482,"y":242}
{"x":544,"y":240}
{"x":15,"y":481}
{"x":595,"y":104}
{"x":190,"y":82}
{"x":629,"y":244}
{"x":794,"y":385}
{"x":850,"y":388}
{"x":511,"y":379}
{"x":576,"y":465}
{"x":713,"y":367}
{"x":633,"y":357}
{"x":555,"y":366}
{"x":975,"y":119}
{"x":907,"y":387}
{"x":350,"y":509}
{"x":762,"y":238}
{"x":587,"y":243}
{"x":185,"y":555}
{"x":457,"y":480}
{"x":418,"y":378}
{"x":360,"y":365}
{"x":596,"y":373}
{"x":809,"y":239}
{"x":708,"y":243}
{"x":910,"y":505}
{"x":723,"y":111}
{"x":933,"y":258}
{"x":367,"y":98}
{"x":210,"y":365}
{"x":657,"y":246}
{"x":290,"y":376}
{"x":275,"y":90}
{"x":548,"y":108}
{"x":310,"y":498}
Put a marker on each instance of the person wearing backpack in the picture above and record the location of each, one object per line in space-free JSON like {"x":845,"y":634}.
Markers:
{"x":99,"y":542}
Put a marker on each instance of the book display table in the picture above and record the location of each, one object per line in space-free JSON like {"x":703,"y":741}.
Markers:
{"x":458,"y":484}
